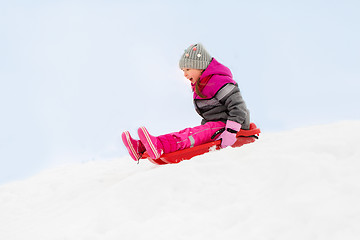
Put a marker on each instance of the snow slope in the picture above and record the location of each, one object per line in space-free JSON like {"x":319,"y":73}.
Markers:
{"x":299,"y":184}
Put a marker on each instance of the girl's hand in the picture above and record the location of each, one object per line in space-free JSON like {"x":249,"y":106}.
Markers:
{"x":228,"y":137}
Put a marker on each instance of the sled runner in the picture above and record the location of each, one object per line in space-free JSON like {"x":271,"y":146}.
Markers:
{"x":243,"y":137}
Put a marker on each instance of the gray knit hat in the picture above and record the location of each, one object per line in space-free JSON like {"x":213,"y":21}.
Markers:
{"x":195,"y":57}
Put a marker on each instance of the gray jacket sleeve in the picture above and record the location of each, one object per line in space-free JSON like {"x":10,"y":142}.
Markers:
{"x":229,"y":95}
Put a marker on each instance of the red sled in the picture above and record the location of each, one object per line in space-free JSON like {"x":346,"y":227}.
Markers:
{"x":243,"y":137}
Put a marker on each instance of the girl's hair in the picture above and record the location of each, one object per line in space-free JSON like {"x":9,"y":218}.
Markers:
{"x":197,"y":89}
{"x":199,"y":85}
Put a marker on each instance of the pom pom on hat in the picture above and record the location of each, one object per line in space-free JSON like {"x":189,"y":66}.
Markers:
{"x":195,"y":57}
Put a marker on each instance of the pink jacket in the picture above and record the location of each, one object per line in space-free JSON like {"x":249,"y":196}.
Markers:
{"x":223,"y":98}
{"x":221,"y":76}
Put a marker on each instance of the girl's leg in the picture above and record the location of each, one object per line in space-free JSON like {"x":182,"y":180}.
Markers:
{"x":189,"y":137}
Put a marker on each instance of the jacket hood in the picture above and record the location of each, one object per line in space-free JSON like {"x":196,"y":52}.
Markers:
{"x":216,"y":68}
{"x":213,"y":78}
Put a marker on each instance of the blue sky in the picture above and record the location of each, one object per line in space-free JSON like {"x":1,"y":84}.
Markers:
{"x":75,"y":74}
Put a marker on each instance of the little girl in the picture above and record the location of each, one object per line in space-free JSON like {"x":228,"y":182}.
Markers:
{"x":217,"y":100}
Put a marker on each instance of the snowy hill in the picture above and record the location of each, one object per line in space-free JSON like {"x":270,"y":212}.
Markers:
{"x":299,"y":184}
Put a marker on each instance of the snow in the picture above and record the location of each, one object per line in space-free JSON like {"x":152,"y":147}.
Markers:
{"x":298,"y":184}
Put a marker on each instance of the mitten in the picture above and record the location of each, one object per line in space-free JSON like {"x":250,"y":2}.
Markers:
{"x":228,"y":137}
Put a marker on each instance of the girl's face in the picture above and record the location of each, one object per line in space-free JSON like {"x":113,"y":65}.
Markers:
{"x":192,"y":74}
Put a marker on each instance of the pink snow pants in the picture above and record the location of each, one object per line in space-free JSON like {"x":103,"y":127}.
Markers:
{"x":190,"y":137}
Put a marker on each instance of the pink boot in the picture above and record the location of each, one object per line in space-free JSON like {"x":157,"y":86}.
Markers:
{"x":135,"y":147}
{"x":152,"y":144}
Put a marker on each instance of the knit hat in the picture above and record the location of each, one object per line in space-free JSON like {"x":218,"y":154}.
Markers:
{"x":195,"y":57}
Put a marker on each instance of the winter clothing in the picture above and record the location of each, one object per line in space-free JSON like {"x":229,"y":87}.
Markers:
{"x":152,"y":144}
{"x":223,"y":99}
{"x":229,"y":135}
{"x":134,"y":147}
{"x":190,"y":137}
{"x":195,"y":57}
